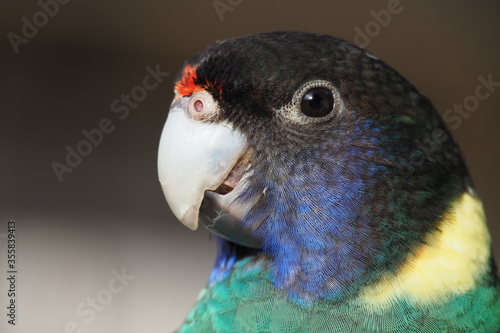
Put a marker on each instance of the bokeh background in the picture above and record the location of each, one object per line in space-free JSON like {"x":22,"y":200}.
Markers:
{"x":109,"y":212}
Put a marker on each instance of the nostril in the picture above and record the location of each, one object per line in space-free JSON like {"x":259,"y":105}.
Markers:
{"x":201,"y":106}
{"x":198,"y":106}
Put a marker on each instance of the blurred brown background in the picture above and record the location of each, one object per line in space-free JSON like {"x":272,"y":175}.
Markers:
{"x":109,"y":212}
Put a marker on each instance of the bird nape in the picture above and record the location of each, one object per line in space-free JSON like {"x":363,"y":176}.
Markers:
{"x":339,"y":200}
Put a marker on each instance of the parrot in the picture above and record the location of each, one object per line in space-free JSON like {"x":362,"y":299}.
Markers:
{"x":337,"y":197}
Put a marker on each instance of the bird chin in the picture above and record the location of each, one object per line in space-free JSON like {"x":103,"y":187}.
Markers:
{"x":222,"y":212}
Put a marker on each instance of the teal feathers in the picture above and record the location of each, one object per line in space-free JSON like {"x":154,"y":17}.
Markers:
{"x":246,"y":301}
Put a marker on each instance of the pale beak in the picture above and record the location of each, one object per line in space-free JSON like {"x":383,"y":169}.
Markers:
{"x":194,"y":157}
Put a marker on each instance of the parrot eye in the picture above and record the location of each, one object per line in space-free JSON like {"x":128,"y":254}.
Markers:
{"x":317,"y":102}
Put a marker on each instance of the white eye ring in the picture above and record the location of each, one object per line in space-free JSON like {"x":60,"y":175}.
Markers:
{"x":292,"y":111}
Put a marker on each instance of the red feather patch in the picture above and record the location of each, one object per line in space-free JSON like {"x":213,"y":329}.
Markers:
{"x":186,"y":85}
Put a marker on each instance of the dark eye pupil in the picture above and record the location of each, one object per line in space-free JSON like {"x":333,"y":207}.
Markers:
{"x":317,"y":102}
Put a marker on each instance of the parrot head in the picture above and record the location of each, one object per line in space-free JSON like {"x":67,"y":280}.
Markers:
{"x":311,"y":151}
